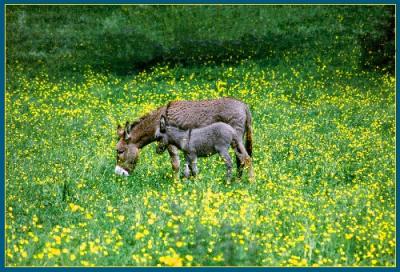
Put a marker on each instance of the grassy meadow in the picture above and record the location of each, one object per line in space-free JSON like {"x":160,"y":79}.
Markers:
{"x":324,"y":159}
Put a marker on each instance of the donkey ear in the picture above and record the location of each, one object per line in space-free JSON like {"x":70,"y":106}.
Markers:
{"x":127,"y":130}
{"x":163,"y":122}
{"x":120,"y":131}
{"x":127,"y":125}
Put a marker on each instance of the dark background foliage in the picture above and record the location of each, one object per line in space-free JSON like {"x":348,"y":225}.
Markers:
{"x":125,"y":39}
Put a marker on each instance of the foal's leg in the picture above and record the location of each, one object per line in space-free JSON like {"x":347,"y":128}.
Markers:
{"x":228,"y":162}
{"x":173,"y":153}
{"x":193,"y":165}
{"x":191,"y":162}
{"x":187,"y":163}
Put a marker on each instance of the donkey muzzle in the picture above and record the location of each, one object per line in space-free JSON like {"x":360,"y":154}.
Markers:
{"x":121,"y":171}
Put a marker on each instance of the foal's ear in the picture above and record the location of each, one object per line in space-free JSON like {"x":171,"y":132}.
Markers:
{"x":120,"y":131}
{"x":163,"y":123}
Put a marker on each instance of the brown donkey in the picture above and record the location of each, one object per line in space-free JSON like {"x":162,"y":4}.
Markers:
{"x":185,"y":115}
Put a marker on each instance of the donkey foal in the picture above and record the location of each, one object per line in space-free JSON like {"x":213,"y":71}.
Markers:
{"x":202,"y":142}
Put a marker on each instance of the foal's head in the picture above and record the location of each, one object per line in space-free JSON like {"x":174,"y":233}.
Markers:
{"x":167,"y":134}
{"x":161,"y":135}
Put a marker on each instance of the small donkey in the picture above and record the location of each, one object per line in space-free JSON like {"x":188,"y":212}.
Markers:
{"x":202,"y":142}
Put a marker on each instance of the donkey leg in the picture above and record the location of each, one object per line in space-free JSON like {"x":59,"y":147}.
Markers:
{"x":240,"y":155}
{"x":239,"y":166}
{"x":173,"y":153}
{"x":228,"y":162}
{"x":244,"y":157}
{"x":239,"y":161}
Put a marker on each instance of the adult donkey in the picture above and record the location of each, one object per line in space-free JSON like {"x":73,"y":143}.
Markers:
{"x":185,"y":115}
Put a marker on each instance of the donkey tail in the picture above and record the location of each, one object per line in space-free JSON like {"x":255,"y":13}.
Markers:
{"x":249,"y":134}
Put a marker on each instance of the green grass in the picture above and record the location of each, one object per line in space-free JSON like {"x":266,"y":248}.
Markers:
{"x":324,"y":193}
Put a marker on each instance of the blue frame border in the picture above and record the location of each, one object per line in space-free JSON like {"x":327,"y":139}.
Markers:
{"x":2,"y":136}
{"x":305,"y":2}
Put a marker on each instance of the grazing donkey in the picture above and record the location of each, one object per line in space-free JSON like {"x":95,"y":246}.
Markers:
{"x":203,"y":142}
{"x":186,"y":115}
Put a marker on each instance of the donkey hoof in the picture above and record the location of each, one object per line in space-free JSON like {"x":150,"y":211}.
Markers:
{"x":175,"y":176}
{"x":252,"y":178}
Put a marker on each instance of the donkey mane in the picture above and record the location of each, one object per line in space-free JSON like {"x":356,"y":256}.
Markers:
{"x":167,"y":108}
{"x":138,"y":121}
{"x":143,"y":118}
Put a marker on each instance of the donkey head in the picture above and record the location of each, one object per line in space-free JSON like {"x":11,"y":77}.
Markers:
{"x":127,"y":152}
